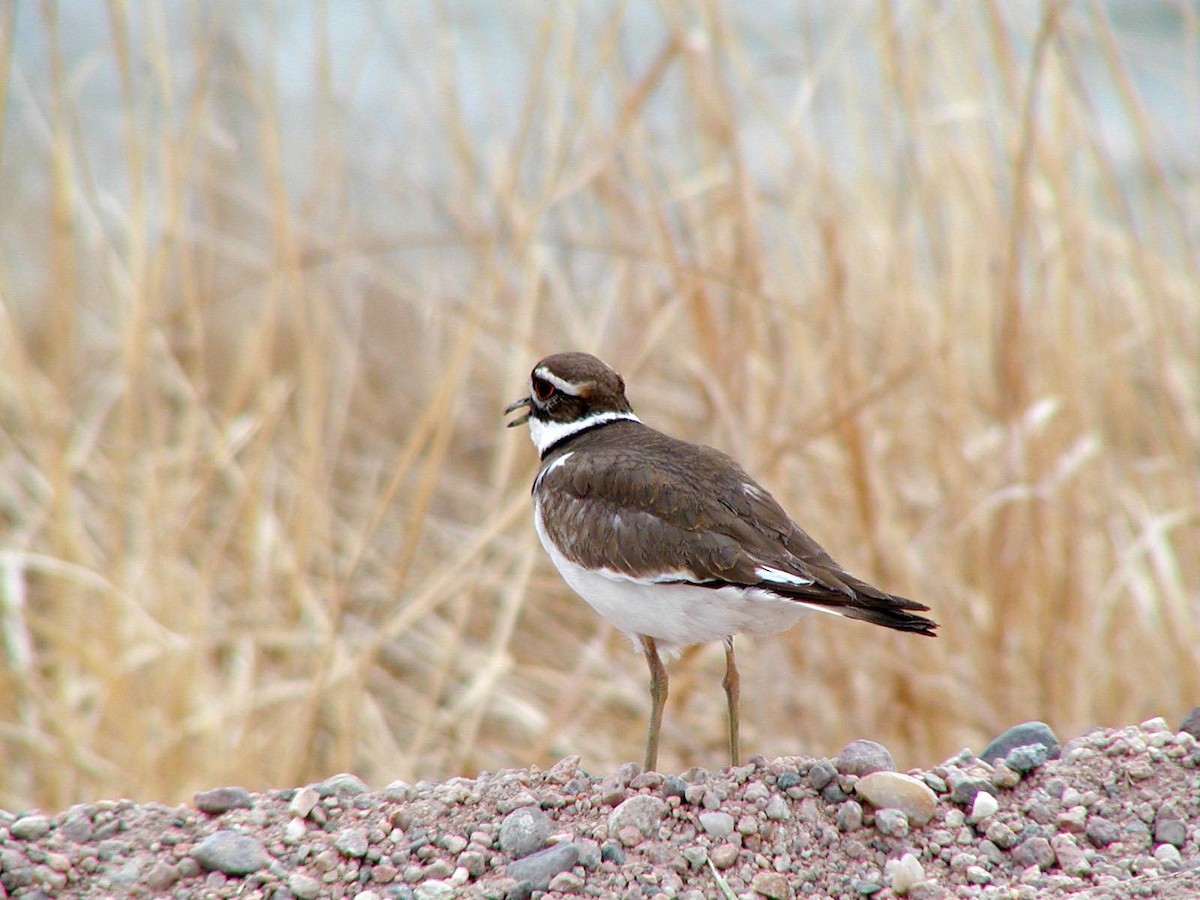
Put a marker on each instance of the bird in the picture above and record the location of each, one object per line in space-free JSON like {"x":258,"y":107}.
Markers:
{"x":670,"y":541}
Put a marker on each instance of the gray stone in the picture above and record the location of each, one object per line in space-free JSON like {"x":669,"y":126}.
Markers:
{"x":1024,"y":735}
{"x":1191,"y":722}
{"x":849,"y":816}
{"x":231,"y":852}
{"x":1070,"y":858}
{"x":1036,"y":851}
{"x":539,"y":868}
{"x":341,"y":785}
{"x":864,"y":757}
{"x":1101,"y":832}
{"x":892,"y":822}
{"x":777,"y":809}
{"x":305,"y":887}
{"x":1170,"y":831}
{"x":643,"y":812}
{"x":718,"y":825}
{"x":222,"y":799}
{"x":821,"y":774}
{"x":29,"y":828}
{"x":351,"y":842}
{"x":524,"y":831}
{"x":1026,"y":759}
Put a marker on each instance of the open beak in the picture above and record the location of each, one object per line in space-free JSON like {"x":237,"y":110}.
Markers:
{"x":526,"y":402}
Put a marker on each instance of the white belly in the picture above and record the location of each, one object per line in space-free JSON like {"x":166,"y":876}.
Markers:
{"x":675,"y":615}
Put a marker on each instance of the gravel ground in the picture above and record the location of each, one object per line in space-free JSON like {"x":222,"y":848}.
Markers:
{"x":1113,"y":814}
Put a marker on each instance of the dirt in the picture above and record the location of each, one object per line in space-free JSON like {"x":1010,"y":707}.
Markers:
{"x":1117,"y":815}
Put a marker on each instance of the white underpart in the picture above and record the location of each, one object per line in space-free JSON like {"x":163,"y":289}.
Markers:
{"x":675,"y":615}
{"x":550,"y":468}
{"x":547,"y":434}
{"x":767,"y":573}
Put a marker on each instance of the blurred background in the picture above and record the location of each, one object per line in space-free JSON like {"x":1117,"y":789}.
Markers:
{"x":270,"y":272}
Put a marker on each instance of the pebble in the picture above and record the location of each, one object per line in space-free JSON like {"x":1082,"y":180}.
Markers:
{"x":898,"y":791}
{"x":1026,"y":759}
{"x":771,"y":885}
{"x":1169,"y":856}
{"x":524,"y":831}
{"x":723,"y":855}
{"x":231,"y":852}
{"x":643,"y":812}
{"x":821,"y":774}
{"x":863,"y":757}
{"x":849,"y":816}
{"x":1036,"y":851}
{"x":303,"y":801}
{"x":1071,"y":858}
{"x":222,"y":799}
{"x":904,"y":872}
{"x":305,"y":887}
{"x":539,"y":868}
{"x":892,"y":822}
{"x":718,"y":825}
{"x":985,"y":805}
{"x":1026,"y":734}
{"x":30,"y":828}
{"x":351,"y":842}
{"x":777,"y":809}
{"x":341,"y":785}
{"x":1191,"y":722}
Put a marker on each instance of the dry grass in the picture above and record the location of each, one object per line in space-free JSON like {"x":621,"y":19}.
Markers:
{"x":266,"y":285}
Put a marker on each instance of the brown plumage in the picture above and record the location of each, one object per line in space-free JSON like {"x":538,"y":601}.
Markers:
{"x":673,"y":541}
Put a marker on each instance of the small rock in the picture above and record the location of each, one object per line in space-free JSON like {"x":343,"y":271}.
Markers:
{"x":305,"y":887}
{"x":1101,"y":832}
{"x":898,"y":791}
{"x":29,"y":828}
{"x":644,"y":812}
{"x":1169,"y":856}
{"x":1036,"y":851}
{"x":978,"y":875}
{"x":1001,"y":835}
{"x":566,"y":883}
{"x":1170,"y":831}
{"x":904,"y":872}
{"x":1026,"y":734}
{"x":435,"y":890}
{"x":718,"y":825}
{"x":985,"y":805}
{"x":524,"y":831}
{"x":864,"y":757}
{"x":539,"y":868}
{"x":1191,"y":722}
{"x":1070,"y":858}
{"x":613,"y":853}
{"x":351,"y":842}
{"x":777,"y":809}
{"x":222,"y":799}
{"x":161,"y":877}
{"x":674,"y":786}
{"x":341,"y":785}
{"x":723,"y":855}
{"x":821,"y":774}
{"x":231,"y":852}
{"x":770,"y":884}
{"x":892,"y":822}
{"x":849,"y":816}
{"x":1026,"y":759}
{"x":303,"y":802}
{"x":966,"y":784}
{"x":630,"y":836}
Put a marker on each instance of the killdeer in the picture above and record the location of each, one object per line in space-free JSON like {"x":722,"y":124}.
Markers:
{"x":673,"y":542}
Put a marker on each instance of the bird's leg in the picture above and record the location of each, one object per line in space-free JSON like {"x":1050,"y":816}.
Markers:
{"x":658,"y":697}
{"x":733,"y":690}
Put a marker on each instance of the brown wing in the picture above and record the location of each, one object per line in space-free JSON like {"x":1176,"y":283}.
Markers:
{"x":696,"y":507}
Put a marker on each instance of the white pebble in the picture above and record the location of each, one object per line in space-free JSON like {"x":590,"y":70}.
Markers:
{"x":985,"y":805}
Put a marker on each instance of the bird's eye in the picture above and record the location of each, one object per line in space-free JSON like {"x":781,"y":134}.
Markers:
{"x":542,"y":389}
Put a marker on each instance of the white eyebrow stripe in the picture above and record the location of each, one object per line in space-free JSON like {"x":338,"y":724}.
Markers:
{"x":567,"y":387}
